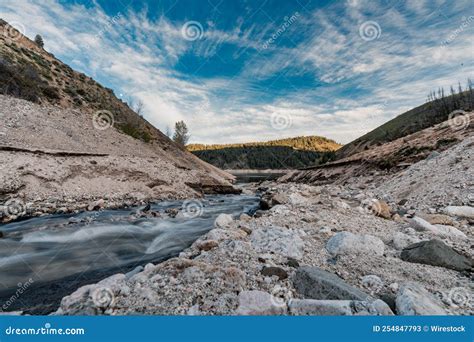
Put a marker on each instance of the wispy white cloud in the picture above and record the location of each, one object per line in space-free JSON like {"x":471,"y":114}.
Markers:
{"x":359,"y":84}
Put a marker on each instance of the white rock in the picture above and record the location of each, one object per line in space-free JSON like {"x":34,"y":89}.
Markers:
{"x":319,"y":307}
{"x":296,"y":199}
{"x":461,"y":211}
{"x":343,"y":205}
{"x":414,"y":299}
{"x":280,"y":209}
{"x":449,"y":231}
{"x":401,"y":240}
{"x":421,"y":225}
{"x":437,"y":229}
{"x":259,"y":303}
{"x":348,"y":243}
{"x":244,"y":217}
{"x":223,"y":220}
{"x":278,"y":240}
{"x":219,"y":234}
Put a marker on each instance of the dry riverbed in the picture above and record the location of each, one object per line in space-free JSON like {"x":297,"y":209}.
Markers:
{"x":318,"y":250}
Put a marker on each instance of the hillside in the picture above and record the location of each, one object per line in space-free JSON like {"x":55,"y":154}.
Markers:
{"x":309,"y":143}
{"x":57,"y":142}
{"x":391,"y":156}
{"x":433,"y":112}
{"x":290,"y":153}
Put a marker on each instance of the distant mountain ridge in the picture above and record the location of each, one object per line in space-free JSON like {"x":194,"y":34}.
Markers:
{"x":288,"y":153}
{"x":305,"y":143}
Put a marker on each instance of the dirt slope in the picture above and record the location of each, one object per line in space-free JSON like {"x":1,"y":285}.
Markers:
{"x":66,"y":140}
{"x":389,"y":157}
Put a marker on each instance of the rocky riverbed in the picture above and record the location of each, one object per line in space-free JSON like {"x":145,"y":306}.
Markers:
{"x":353,"y":249}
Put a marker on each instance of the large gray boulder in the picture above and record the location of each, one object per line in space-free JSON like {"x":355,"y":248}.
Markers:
{"x":414,"y":299}
{"x":315,"y":283}
{"x":436,"y":253}
{"x":349,"y":243}
{"x":315,"y":307}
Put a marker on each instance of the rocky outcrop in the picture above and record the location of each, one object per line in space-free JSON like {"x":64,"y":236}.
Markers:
{"x":315,"y":283}
{"x":54,"y":165}
{"x":413,"y":299}
{"x":436,"y":253}
{"x":349,"y":243}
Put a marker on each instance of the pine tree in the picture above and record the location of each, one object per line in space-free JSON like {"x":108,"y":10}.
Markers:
{"x":181,"y":133}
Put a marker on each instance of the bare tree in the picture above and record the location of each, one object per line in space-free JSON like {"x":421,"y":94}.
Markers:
{"x":138,"y":108}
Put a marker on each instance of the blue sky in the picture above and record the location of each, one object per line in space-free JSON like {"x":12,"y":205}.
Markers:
{"x":240,"y":71}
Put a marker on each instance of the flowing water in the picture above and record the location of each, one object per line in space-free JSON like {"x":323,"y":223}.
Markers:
{"x":56,"y":254}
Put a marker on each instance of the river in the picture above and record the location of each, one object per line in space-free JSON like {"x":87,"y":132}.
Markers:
{"x":49,"y":257}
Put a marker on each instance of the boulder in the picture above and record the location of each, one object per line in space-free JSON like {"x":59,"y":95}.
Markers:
{"x":349,"y":243}
{"x":436,"y":253}
{"x":259,"y":303}
{"x":437,"y":219}
{"x":436,"y":229}
{"x":449,"y":231}
{"x":223,"y":220}
{"x":207,"y":245}
{"x":244,"y":217}
{"x":414,"y":299}
{"x":460,"y":211}
{"x":270,"y":271}
{"x":283,"y":241}
{"x":401,"y":240}
{"x":314,"y":307}
{"x":315,"y":283}
{"x":96,"y":205}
